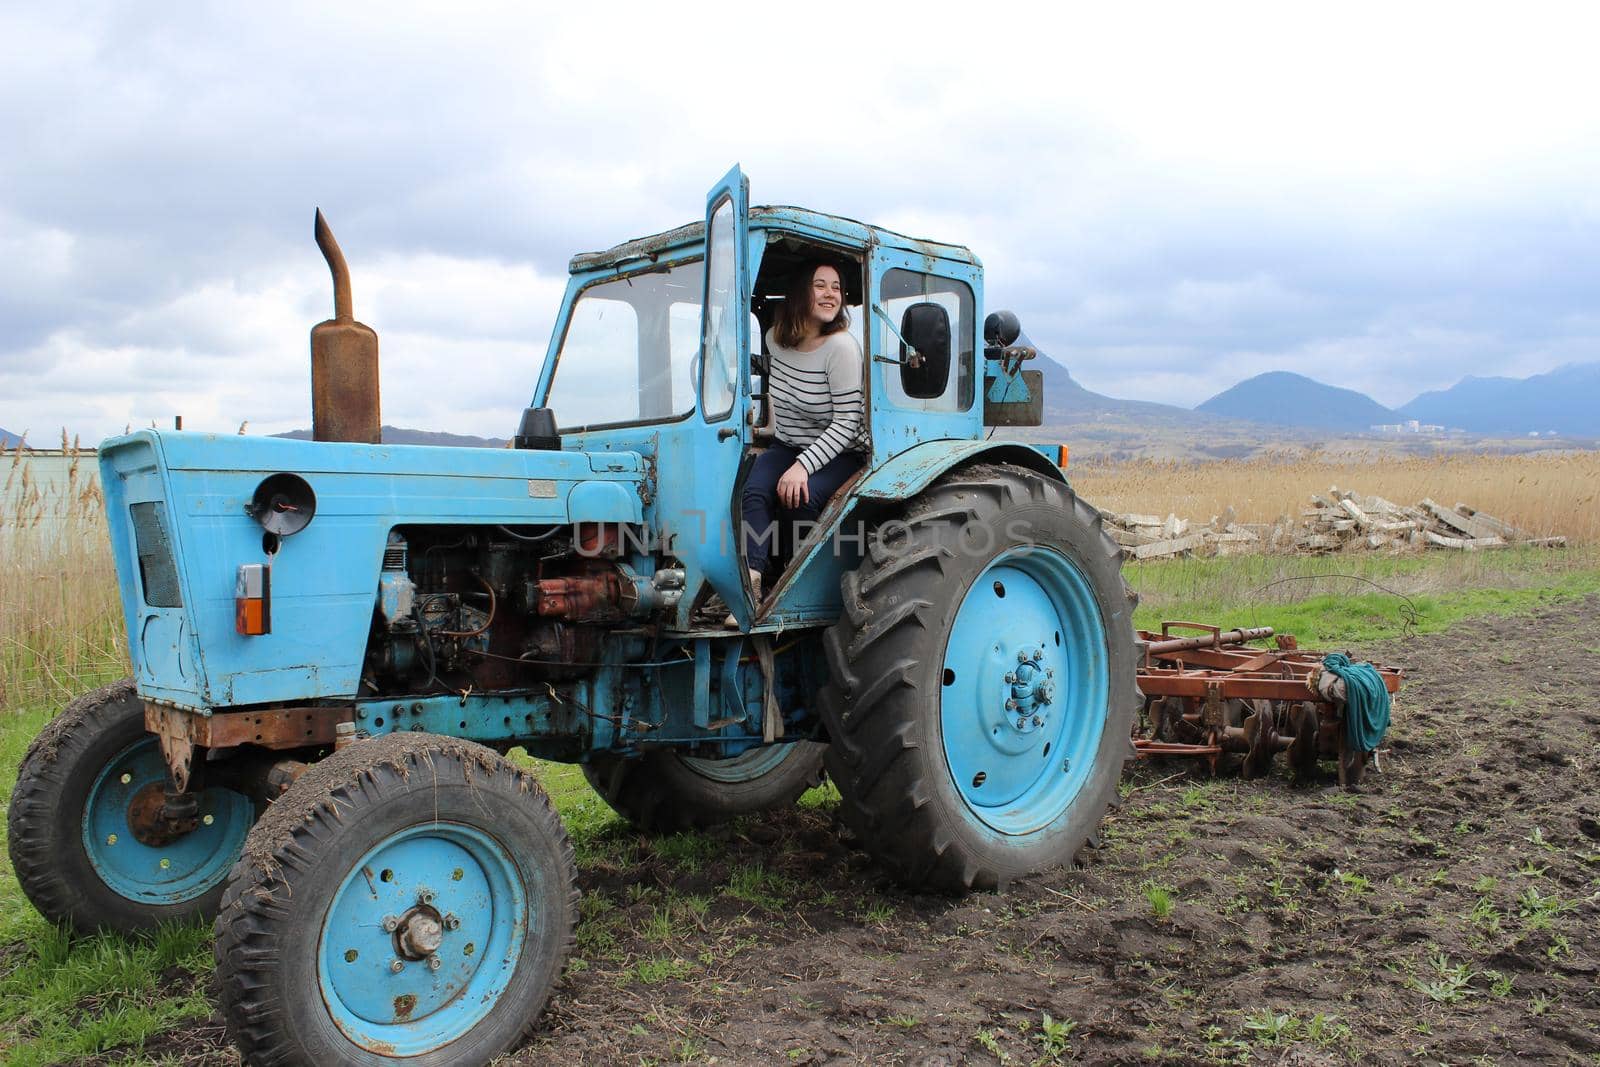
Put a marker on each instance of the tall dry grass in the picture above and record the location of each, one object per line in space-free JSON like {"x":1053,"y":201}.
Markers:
{"x":1545,"y":494}
{"x":61,"y":629}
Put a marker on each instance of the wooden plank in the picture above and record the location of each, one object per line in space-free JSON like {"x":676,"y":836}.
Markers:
{"x":1468,"y":543}
{"x":1378,"y":503}
{"x":1495,"y":526}
{"x":1459,"y":523}
{"x":1169,"y":547}
{"x":1355,"y":512}
{"x":1477,"y":527}
{"x":1131,"y":538}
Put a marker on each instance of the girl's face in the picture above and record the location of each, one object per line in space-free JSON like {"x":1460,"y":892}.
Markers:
{"x":827,"y":295}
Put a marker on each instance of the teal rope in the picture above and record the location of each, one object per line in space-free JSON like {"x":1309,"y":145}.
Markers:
{"x":1366,"y":714}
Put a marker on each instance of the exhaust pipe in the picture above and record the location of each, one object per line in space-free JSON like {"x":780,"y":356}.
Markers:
{"x":344,"y":361}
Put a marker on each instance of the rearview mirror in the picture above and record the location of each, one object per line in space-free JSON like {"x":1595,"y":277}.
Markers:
{"x":925,"y":351}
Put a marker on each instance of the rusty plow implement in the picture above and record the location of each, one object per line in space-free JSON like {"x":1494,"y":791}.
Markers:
{"x":1210,"y":695}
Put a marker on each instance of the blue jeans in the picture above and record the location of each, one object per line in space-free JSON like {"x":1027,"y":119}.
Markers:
{"x":762,"y":514}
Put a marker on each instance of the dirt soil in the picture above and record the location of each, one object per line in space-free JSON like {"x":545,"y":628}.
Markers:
{"x":1447,"y":912}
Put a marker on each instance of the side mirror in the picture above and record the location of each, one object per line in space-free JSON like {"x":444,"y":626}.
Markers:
{"x":925,"y":351}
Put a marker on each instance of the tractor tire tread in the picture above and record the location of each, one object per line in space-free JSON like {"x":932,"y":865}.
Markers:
{"x":657,"y":793}
{"x":44,"y":853}
{"x":254,"y":900}
{"x":894,"y":601}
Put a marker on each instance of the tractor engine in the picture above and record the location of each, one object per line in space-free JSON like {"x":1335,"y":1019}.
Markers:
{"x":496,"y":608}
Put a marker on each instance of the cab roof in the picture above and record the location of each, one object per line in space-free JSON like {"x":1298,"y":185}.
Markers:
{"x":781,"y":218}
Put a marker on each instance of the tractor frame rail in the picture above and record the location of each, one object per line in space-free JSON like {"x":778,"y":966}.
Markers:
{"x":1212,"y":694}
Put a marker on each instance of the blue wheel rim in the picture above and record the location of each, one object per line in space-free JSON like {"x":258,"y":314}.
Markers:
{"x":1023,"y":696}
{"x":446,"y":871}
{"x":174,"y":873}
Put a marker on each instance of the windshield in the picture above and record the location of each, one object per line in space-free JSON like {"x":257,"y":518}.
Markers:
{"x":629,"y":350}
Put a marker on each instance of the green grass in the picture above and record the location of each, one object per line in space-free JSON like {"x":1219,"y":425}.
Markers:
{"x":1326,"y":599}
{"x":62,"y":998}
{"x":1159,"y":898}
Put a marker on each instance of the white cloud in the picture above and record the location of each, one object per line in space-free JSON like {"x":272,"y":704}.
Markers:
{"x":1404,"y":194}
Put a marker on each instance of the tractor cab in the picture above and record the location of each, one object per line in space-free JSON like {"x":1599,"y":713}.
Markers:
{"x":625,"y":373}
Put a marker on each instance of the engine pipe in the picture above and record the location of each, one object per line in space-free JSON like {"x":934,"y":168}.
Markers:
{"x":344,"y":361}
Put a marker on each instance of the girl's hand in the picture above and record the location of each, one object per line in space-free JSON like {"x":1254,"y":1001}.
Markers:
{"x":794,"y":488}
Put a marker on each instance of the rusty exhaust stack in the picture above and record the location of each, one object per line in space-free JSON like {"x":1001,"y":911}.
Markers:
{"x":344,"y":361}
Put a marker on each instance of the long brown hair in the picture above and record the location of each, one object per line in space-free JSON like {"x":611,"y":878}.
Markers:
{"x":790,"y":329}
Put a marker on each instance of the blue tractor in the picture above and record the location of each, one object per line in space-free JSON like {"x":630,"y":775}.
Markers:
{"x":335,"y":643}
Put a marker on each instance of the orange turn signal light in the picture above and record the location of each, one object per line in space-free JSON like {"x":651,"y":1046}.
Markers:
{"x":252,"y":600}
{"x":1061,"y":456}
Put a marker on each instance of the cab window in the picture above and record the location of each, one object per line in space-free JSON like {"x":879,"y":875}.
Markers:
{"x":629,"y":348}
{"x":899,"y":292}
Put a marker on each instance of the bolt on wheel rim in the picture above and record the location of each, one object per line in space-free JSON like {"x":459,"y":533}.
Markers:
{"x":171,"y":873}
{"x":422,"y":938}
{"x":1025,"y":686}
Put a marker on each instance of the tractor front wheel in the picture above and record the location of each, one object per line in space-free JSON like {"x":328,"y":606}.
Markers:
{"x":81,"y":850}
{"x":983,"y":686}
{"x":411,"y":897}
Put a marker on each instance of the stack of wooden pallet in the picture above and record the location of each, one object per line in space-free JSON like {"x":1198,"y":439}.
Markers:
{"x":1342,"y":520}
{"x":1336,"y":522}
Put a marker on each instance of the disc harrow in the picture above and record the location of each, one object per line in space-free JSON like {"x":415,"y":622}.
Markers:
{"x":1213,"y":694}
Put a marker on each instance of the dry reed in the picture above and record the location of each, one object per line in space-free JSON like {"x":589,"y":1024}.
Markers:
{"x":61,"y":629}
{"x":1545,"y":494}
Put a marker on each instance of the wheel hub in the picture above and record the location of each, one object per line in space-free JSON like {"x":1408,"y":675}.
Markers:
{"x":1029,"y":690}
{"x":149,"y":820}
{"x":419,"y":933}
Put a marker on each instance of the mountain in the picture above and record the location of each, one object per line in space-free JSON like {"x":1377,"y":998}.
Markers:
{"x":1068,"y":403}
{"x":1284,"y":398}
{"x":1562,"y":400}
{"x":399,"y":435}
{"x":1096,"y":425}
{"x":8,"y":439}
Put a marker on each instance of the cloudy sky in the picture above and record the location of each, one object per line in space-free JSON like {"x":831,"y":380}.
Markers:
{"x":1172,"y":198}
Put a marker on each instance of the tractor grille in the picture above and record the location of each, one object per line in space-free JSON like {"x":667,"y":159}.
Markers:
{"x":158,"y":572}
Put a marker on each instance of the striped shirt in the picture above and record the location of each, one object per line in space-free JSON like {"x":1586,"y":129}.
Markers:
{"x":816,"y":398}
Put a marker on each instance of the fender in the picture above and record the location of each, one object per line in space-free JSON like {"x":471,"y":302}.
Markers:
{"x":810,"y":591}
{"x":913,"y":470}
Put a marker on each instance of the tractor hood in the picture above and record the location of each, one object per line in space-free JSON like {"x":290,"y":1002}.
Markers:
{"x":182,"y":519}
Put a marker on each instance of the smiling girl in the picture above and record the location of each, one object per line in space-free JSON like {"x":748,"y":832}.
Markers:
{"x":814,"y":388}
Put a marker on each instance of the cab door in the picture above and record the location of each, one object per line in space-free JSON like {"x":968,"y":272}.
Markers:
{"x":910,"y":405}
{"x":709,"y":532}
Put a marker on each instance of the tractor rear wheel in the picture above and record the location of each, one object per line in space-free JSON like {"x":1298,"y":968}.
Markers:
{"x":81,"y":850}
{"x":665,"y":791}
{"x":410,"y":898}
{"x":983,"y":687}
